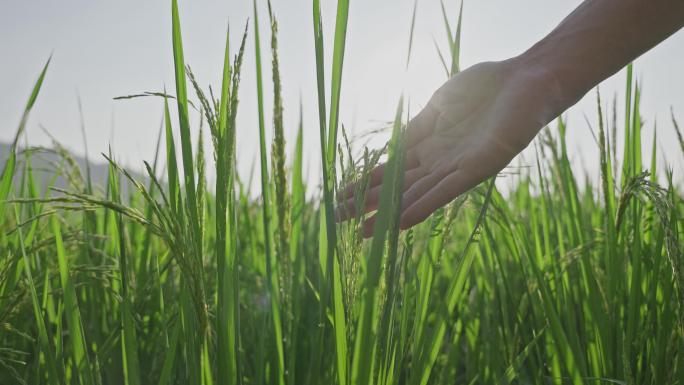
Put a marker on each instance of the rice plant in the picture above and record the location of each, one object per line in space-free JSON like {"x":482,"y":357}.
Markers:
{"x":168,"y":279}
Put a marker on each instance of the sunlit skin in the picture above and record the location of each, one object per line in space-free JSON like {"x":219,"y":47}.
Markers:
{"x":481,"y":118}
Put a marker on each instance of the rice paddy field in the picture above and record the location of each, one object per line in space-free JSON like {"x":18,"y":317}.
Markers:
{"x":170,"y":278}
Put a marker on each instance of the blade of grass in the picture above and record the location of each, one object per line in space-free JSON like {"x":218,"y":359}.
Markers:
{"x":336,"y":77}
{"x":514,"y":368}
{"x":165,"y":377}
{"x":186,"y":141}
{"x":429,"y":346}
{"x":413,"y":25}
{"x":171,"y":165}
{"x":626,"y":166}
{"x":193,"y":309}
{"x":326,"y":231}
{"x":365,"y":343}
{"x":129,"y":339}
{"x":8,"y":170}
{"x":52,"y":376}
{"x":78,"y":346}
{"x":226,"y":323}
{"x":298,"y":258}
{"x":271,"y":270}
{"x":456,"y":47}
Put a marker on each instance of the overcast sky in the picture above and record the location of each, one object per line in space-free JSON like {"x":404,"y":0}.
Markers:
{"x":103,"y":49}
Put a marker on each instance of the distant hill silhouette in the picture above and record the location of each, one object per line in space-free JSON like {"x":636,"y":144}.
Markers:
{"x":44,"y":164}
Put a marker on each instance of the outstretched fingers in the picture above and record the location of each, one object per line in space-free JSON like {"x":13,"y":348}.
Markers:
{"x":414,"y":189}
{"x":418,"y":129}
{"x":347,"y":209}
{"x":425,"y":196}
{"x":375,"y":179}
{"x":420,"y":207}
{"x":415,"y":180}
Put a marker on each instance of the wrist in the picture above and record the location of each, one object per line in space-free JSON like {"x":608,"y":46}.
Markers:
{"x":544,"y":76}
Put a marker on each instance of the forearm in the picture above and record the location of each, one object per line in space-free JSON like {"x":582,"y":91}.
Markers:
{"x":596,"y":40}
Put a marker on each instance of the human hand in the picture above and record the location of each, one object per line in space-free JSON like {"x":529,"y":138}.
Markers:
{"x":471,"y":128}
